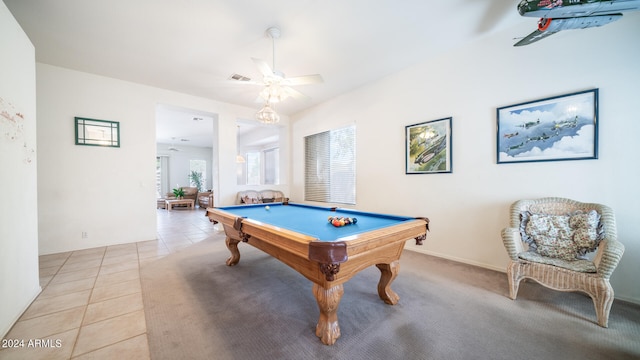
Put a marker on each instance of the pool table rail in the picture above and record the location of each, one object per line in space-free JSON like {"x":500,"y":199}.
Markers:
{"x":379,"y":245}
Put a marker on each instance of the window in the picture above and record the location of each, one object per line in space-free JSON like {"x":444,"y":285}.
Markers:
{"x":259,"y":167}
{"x":253,"y":168}
{"x":258,"y":161}
{"x":272,"y":166}
{"x":197,"y":171}
{"x":330,"y":166}
{"x":162,"y":176}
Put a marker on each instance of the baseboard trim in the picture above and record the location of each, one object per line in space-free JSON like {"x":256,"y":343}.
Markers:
{"x":490,"y":267}
{"x":457,"y":259}
{"x":5,"y":331}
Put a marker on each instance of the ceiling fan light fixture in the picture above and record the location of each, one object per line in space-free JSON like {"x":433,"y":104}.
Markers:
{"x":273,"y":94}
{"x":277,"y":87}
{"x":267,"y":115}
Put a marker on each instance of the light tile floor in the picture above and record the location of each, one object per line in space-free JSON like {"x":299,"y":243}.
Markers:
{"x":91,"y":304}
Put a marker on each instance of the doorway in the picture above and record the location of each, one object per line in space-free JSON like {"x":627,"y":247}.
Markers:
{"x":186,"y":149}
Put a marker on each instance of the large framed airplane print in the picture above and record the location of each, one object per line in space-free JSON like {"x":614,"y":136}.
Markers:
{"x":563,"y":127}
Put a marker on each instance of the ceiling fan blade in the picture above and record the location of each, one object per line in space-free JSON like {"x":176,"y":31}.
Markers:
{"x":303,"y":80}
{"x":239,"y":82}
{"x":294,"y":93}
{"x":277,"y":93}
{"x":264,"y":68}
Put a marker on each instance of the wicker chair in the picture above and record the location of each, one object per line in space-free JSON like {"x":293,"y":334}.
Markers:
{"x":581,"y":274}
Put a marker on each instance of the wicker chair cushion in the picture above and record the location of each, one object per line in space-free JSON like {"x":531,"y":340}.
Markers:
{"x":587,"y":231}
{"x":551,"y":235}
{"x":582,"y":265}
{"x":567,"y":237}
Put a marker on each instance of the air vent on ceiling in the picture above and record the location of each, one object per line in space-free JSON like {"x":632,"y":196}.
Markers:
{"x":239,"y":77}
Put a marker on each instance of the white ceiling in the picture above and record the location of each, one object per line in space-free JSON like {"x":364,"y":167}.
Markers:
{"x":194,"y":46}
{"x":183,"y":127}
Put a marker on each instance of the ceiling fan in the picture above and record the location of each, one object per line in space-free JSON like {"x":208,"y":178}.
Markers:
{"x":278,"y":87}
{"x":172,"y":147}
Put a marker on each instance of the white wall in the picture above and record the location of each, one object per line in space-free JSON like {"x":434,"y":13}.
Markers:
{"x":469,"y":207}
{"x":110,"y":192}
{"x":19,"y":281}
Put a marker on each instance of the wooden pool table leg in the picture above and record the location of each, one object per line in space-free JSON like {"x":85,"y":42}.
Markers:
{"x":328,"y":300}
{"x":232,"y":245}
{"x":388,"y":273}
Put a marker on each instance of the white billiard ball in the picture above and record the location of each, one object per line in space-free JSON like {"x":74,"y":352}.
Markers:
{"x":267,"y":207}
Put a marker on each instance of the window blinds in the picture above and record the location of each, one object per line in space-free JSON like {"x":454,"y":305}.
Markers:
{"x":330,"y":166}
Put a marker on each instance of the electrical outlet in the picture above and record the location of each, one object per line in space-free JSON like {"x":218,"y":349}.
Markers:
{"x":85,"y":235}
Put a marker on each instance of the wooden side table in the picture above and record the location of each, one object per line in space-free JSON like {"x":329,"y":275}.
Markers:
{"x":189,"y":202}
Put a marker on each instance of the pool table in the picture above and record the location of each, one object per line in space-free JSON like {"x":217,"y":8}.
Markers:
{"x":302,"y":237}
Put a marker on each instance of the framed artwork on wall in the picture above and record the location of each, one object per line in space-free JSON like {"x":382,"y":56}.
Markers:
{"x":557,"y":128}
{"x":97,"y":132}
{"x":428,"y":147}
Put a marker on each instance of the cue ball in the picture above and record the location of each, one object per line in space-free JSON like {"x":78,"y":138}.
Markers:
{"x":267,"y":207}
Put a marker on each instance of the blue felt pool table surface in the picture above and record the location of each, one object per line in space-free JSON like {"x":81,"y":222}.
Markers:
{"x":313,"y":220}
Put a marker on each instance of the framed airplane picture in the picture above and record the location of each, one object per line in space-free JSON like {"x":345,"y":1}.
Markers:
{"x":428,"y":147}
{"x":557,"y":128}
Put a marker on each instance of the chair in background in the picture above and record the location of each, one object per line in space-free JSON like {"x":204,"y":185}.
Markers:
{"x":205,"y":199}
{"x":547,"y":241}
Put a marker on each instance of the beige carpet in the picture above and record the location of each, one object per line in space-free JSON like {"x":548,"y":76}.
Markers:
{"x":198,"y":308}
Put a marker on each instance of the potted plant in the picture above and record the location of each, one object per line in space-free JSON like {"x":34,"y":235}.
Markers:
{"x":196,"y":179}
{"x":178,"y":193}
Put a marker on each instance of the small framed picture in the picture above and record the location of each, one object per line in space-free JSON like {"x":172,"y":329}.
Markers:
{"x":97,"y":132}
{"x":558,"y":128}
{"x":428,"y":147}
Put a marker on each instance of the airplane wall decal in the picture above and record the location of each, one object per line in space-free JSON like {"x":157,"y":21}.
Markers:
{"x":557,"y":15}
